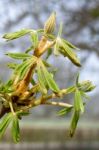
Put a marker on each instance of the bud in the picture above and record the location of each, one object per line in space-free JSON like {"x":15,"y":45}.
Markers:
{"x":86,"y":86}
{"x":50,"y":24}
{"x":15,"y":35}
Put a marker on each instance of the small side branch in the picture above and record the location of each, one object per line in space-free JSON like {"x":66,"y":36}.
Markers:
{"x":58,"y":104}
{"x":11,"y":107}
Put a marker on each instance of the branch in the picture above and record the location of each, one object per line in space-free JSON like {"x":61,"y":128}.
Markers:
{"x":43,"y":45}
{"x":59,"y":104}
{"x":39,"y":102}
{"x":44,"y":100}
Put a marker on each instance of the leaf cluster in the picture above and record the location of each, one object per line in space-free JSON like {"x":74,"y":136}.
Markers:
{"x":23,"y":91}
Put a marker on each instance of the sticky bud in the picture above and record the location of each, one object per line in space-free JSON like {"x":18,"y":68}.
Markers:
{"x":50,"y":24}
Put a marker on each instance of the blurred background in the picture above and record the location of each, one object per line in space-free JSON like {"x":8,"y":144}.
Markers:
{"x":44,"y":129}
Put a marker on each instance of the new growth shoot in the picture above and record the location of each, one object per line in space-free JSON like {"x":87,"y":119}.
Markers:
{"x":20,"y":93}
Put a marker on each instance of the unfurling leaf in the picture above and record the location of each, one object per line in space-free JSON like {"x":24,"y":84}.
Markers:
{"x":46,"y":78}
{"x":70,"y":44}
{"x":78,"y":103}
{"x":15,"y":129}
{"x":23,"y":113}
{"x":8,"y":86}
{"x":18,"y":55}
{"x":15,"y":35}
{"x":56,"y":47}
{"x":86,"y":86}
{"x":46,"y":63}
{"x":34,"y":38}
{"x":12,"y":65}
{"x":48,"y":35}
{"x":49,"y":52}
{"x":41,"y":79}
{"x":5,"y":123}
{"x":74,"y":122}
{"x":50,"y":81}
{"x":70,"y":90}
{"x":50,"y":24}
{"x":84,"y":95}
{"x":67,"y":51}
{"x":60,"y":29}
{"x":29,"y":49}
{"x":64,"y":111}
{"x":57,"y":44}
{"x":23,"y":68}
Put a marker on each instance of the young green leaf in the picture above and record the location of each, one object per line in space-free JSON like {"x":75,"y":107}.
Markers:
{"x":8,"y":86}
{"x":74,"y":122}
{"x":64,"y":111}
{"x":41,"y":79}
{"x":68,"y":52}
{"x":60,"y":29}
{"x":23,"y":68}
{"x":57,"y":44}
{"x":15,"y":35}
{"x":49,"y":79}
{"x":46,"y":63}
{"x":78,"y":103}
{"x":15,"y":129}
{"x":50,"y":36}
{"x":36,"y":88}
{"x":70,"y":44}
{"x":49,"y":52}
{"x":23,"y":113}
{"x":5,"y":123}
{"x":70,"y":90}
{"x":29,"y":49}
{"x":34,"y":38}
{"x":40,"y":30}
{"x":56,"y":47}
{"x":84,"y":95}
{"x":19,"y":55}
{"x":12,"y":65}
{"x":45,"y":78}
